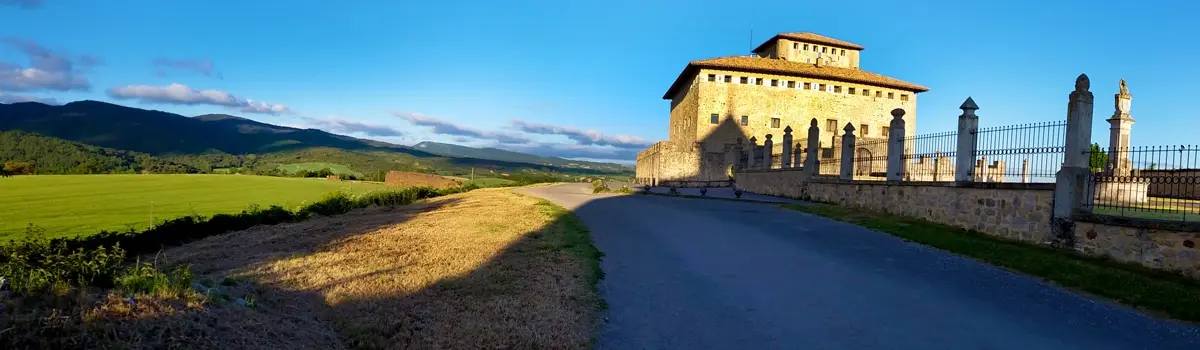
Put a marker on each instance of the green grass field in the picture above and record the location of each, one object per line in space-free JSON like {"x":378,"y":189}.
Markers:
{"x":336,"y":168}
{"x":491,"y":182}
{"x":68,"y":205}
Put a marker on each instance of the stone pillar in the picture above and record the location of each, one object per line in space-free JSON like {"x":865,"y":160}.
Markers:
{"x":1118,"y":137}
{"x":733,"y":156}
{"x":798,"y":155}
{"x":812,"y":164}
{"x":1025,"y":176}
{"x":751,"y":162}
{"x":768,"y":147}
{"x":786,"y":161}
{"x":895,"y":147}
{"x":1071,"y":180}
{"x":968,"y":122}
{"x":847,"y":172}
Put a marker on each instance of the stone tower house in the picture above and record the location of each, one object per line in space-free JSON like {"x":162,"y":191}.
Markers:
{"x":790,"y":79}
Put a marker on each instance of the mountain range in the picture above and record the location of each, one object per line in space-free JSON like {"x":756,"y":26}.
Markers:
{"x":219,"y":140}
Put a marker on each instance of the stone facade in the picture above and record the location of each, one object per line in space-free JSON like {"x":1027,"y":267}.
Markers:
{"x":717,"y":102}
{"x":1170,"y":249}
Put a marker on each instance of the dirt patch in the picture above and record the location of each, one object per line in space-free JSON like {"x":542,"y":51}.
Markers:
{"x":484,"y":269}
{"x":408,"y":179}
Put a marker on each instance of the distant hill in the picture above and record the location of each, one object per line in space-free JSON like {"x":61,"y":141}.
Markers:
{"x":57,"y":156}
{"x":215,"y":141}
{"x":451,"y":150}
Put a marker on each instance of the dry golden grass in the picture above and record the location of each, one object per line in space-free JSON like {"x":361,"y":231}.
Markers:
{"x":483,"y":269}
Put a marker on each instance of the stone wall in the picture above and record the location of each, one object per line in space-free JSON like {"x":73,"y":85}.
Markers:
{"x":1181,"y":184}
{"x":1163,"y":246}
{"x":1013,"y":211}
{"x":773,"y":182}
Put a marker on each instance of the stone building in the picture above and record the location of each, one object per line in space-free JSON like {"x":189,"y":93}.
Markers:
{"x":790,"y":79}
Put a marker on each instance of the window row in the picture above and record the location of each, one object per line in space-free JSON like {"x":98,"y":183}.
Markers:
{"x":831,"y":125}
{"x":793,"y":84}
{"x":823,"y":49}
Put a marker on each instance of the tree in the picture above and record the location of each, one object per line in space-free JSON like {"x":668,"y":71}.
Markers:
{"x":18,"y":168}
{"x":4,"y":173}
{"x":1152,"y":166}
{"x":1097,"y":159}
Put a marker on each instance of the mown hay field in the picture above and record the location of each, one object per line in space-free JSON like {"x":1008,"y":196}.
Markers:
{"x":69,"y":205}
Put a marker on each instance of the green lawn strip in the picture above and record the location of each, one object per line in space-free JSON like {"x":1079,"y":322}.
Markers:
{"x":1151,"y":290}
{"x":576,"y":240}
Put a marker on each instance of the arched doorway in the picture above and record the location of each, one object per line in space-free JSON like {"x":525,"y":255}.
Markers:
{"x":863,"y":162}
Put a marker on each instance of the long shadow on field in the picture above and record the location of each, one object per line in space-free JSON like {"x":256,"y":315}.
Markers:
{"x":343,"y":282}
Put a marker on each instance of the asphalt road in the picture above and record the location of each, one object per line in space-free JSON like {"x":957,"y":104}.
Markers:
{"x":708,"y":274}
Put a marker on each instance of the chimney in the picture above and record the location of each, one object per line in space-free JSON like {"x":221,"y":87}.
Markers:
{"x":819,"y":59}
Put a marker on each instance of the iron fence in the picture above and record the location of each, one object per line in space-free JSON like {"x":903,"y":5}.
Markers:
{"x":930,"y":157}
{"x":1149,"y":182}
{"x":1020,"y":153}
{"x":870,"y":159}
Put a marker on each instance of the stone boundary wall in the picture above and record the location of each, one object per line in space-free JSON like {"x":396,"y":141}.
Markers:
{"x":1169,"y":246}
{"x":1008,"y":210}
{"x":773,"y":182}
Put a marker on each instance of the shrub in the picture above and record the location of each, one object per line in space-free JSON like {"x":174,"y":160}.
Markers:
{"x":35,"y":265}
{"x":625,"y":190}
{"x":598,"y":186}
{"x":145,"y":278}
{"x":332,"y":203}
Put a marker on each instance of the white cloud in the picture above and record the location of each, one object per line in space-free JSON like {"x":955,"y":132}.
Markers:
{"x":443,"y":127}
{"x":342,"y":125}
{"x":10,"y":98}
{"x":583,"y":137}
{"x":183,"y":95}
{"x":47,"y":70}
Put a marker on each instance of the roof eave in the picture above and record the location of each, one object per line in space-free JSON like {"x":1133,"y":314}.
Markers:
{"x":693,"y":66}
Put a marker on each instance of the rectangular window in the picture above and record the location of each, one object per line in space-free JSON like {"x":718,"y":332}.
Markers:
{"x":878,"y":94}
{"x":795,"y":45}
{"x":758,"y":81}
{"x":904,"y":97}
{"x":891,"y":95}
{"x":852,"y":91}
{"x":821,"y":87}
{"x":831,"y":125}
{"x":805,"y":47}
{"x":837,"y":89}
{"x":886,"y":131}
{"x":791,"y":84}
{"x":728,"y":78}
{"x":714,"y":118}
{"x":775,"y":123}
{"x":843,"y":52}
{"x":745,"y":120}
{"x":774,"y":82}
{"x":712,"y":77}
{"x":824,"y":50}
{"x":862,"y":129}
{"x":866,"y":92}
{"x":744,"y":80}
{"x":807,"y":86}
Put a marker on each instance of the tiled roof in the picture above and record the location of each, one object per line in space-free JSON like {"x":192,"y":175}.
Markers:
{"x":797,"y":69}
{"x":811,"y":38}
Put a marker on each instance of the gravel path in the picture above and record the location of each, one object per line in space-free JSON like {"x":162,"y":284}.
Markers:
{"x":705,"y":274}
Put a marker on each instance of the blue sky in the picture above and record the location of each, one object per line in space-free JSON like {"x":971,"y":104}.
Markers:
{"x":580,"y":79}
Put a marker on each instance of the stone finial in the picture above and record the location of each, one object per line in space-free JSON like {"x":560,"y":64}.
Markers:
{"x":787,"y":130}
{"x":849,"y":128}
{"x":1082,"y":83}
{"x":968,"y":107}
{"x":1124,"y":90}
{"x":768,"y":136}
{"x":753,"y":140}
{"x":813,"y":123}
{"x":898,"y":113}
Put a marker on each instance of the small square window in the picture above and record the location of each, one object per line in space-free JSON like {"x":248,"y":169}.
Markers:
{"x":837,"y":89}
{"x":805,"y":47}
{"x":887,"y":131}
{"x":807,"y":86}
{"x":891,"y":95}
{"x":866,"y":92}
{"x":714,"y":118}
{"x":712,"y":77}
{"x":821,"y":87}
{"x":831,"y":125}
{"x":824,"y":50}
{"x":904,"y":97}
{"x":843,"y":52}
{"x":795,"y":46}
{"x":745,"y":80}
{"x":878,"y":94}
{"x":852,"y":92}
{"x":775,"y":123}
{"x":791,"y":84}
{"x":745,"y":120}
{"x":758,"y":81}
{"x":862,"y":129}
{"x":774,"y":82}
{"x":728,"y":78}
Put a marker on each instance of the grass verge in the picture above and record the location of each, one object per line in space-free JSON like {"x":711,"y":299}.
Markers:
{"x":1155,"y":291}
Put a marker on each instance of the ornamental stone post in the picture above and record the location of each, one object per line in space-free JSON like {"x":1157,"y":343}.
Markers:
{"x":847,"y":172}
{"x":895,"y":147}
